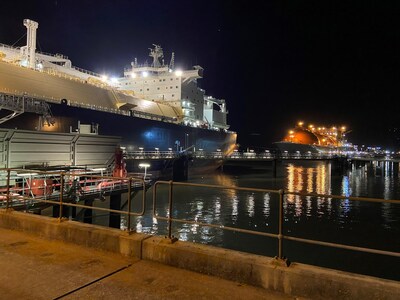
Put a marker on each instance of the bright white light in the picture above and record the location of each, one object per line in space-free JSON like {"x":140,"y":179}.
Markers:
{"x":114,"y":80}
{"x":24,"y":63}
{"x":133,"y":75}
{"x":145,"y":74}
{"x":40,"y":66}
{"x":178,"y":73}
{"x":104,"y":77}
{"x":144,"y":165}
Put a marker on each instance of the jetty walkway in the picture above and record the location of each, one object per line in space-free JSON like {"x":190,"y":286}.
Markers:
{"x":35,"y":268}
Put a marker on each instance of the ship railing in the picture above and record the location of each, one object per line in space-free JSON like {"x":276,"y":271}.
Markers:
{"x":57,"y":55}
{"x":150,"y":154}
{"x":9,"y":47}
{"x":87,"y":72}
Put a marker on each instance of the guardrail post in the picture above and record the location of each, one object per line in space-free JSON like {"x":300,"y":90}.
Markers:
{"x":61,"y":196}
{"x":8,"y":188}
{"x":170,"y":209}
{"x":129,"y":203}
{"x":280,"y":236}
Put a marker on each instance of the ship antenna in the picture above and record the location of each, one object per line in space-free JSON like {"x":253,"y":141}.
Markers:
{"x":156,"y":54}
{"x":172,"y":62}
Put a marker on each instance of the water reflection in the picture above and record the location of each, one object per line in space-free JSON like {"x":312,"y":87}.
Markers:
{"x":315,"y":178}
{"x":343,"y":221}
{"x":305,"y":216}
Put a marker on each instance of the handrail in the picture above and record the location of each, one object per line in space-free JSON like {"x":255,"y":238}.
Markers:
{"x":126,"y":185}
{"x":123,"y":183}
{"x":279,"y":235}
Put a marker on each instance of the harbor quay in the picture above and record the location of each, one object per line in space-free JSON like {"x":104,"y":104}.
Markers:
{"x":39,"y":268}
{"x":246,"y":270}
{"x":273,"y":274}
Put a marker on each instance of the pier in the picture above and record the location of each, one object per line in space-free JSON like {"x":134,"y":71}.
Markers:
{"x":34,"y":191}
{"x":277,"y":274}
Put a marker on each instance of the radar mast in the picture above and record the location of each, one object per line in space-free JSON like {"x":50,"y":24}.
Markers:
{"x":156,"y":54}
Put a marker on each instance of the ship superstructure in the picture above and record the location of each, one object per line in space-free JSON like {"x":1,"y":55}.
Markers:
{"x":150,"y":107}
{"x":163,"y":83}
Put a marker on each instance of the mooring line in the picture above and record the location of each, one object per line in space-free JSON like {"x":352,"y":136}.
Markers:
{"x":94,"y":281}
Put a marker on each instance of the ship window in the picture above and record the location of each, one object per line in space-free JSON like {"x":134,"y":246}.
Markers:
{"x":163,"y":80}
{"x":148,"y":89}
{"x":145,"y":82}
{"x":170,"y":87}
{"x":160,"y":80}
{"x":173,"y":95}
{"x":140,"y":89}
{"x":176,"y":86}
{"x":158,"y":88}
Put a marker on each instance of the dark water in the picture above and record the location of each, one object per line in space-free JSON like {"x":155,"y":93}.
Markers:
{"x":362,"y":224}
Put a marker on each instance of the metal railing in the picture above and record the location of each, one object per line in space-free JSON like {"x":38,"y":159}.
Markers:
{"x":279,"y":235}
{"x":60,"y":181}
{"x":19,"y":189}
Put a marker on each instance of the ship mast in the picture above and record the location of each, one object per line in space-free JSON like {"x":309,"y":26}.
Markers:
{"x":28,"y":51}
{"x":157,"y":54}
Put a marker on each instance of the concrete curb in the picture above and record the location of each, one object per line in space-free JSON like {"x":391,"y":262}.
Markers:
{"x":297,"y":280}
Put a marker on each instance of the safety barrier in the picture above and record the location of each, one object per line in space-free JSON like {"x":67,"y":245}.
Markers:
{"x":280,"y":236}
{"x":53,"y":188}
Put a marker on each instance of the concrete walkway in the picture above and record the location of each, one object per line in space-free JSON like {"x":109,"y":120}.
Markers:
{"x":34,"y":268}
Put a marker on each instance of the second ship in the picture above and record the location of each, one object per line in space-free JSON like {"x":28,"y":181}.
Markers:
{"x":310,"y":139}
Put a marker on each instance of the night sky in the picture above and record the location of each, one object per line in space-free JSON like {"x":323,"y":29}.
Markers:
{"x":275,"y":62}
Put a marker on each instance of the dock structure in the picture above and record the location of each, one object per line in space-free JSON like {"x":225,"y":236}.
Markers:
{"x":274,"y":274}
{"x":34,"y":191}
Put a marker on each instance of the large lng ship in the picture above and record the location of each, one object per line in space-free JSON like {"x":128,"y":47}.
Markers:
{"x":309,"y":139}
{"x":152,"y":106}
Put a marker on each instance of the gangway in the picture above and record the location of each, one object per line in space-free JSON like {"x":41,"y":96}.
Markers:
{"x":26,"y":189}
{"x":18,"y":104}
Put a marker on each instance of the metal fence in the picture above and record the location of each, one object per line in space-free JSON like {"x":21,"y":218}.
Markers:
{"x":17,"y":187}
{"x":279,"y":235}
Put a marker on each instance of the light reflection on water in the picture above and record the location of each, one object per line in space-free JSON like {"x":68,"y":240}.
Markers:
{"x":253,"y":209}
{"x":375,"y":225}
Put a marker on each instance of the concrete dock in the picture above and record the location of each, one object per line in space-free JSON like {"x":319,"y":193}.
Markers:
{"x":35,"y":268}
{"x":45,"y":258}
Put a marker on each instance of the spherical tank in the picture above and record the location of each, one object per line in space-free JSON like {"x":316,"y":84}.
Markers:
{"x":301,"y":136}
